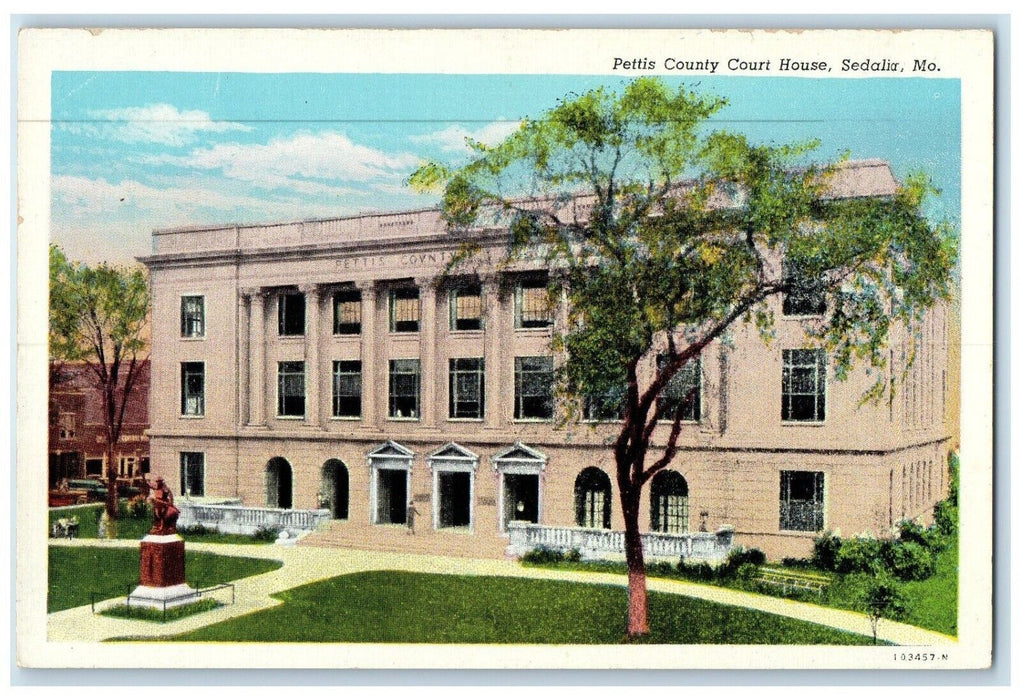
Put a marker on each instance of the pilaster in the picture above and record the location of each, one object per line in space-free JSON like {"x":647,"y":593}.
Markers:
{"x":313,"y":377}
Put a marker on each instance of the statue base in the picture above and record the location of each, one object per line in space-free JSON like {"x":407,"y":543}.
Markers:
{"x":161,"y":574}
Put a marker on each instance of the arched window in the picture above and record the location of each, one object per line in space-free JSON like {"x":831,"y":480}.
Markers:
{"x":279,"y":488}
{"x":333,"y":493}
{"x":592,"y":498}
{"x":669,"y":509}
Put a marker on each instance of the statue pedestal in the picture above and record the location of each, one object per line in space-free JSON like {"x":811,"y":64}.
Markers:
{"x":161,"y":574}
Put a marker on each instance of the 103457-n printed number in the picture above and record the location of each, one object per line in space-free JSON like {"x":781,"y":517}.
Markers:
{"x":921,"y":656}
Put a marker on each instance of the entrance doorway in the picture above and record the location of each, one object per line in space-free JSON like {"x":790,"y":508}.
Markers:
{"x":334,"y":490}
{"x":520,"y":498}
{"x":391,"y":496}
{"x":279,"y":487}
{"x":455,"y":499}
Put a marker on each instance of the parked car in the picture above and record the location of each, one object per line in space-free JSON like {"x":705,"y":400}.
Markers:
{"x":94,"y":489}
{"x":58,"y":498}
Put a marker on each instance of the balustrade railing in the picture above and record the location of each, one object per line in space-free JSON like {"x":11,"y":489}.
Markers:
{"x":245,"y":520}
{"x":593,"y":544}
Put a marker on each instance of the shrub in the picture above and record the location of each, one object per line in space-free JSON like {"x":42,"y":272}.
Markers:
{"x":736,"y":559}
{"x":859,"y":555}
{"x":702,"y":571}
{"x":824,"y":551}
{"x":573,"y":555}
{"x":798,"y":563}
{"x":747,"y":571}
{"x":199,"y":529}
{"x":878,"y":596}
{"x":266,"y":534}
{"x":945,"y":517}
{"x":139,"y":508}
{"x":909,"y":561}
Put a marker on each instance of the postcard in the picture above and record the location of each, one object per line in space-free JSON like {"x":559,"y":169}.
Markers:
{"x":548,"y":349}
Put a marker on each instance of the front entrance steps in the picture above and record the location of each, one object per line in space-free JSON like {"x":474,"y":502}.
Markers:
{"x":457,"y":542}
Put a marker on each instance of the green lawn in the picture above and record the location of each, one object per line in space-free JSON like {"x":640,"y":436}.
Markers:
{"x":403,"y":607}
{"x":76,"y":572}
{"x":933,"y":602}
{"x":136,"y":528}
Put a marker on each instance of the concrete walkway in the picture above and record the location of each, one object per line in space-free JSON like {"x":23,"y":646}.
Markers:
{"x":306,"y":564}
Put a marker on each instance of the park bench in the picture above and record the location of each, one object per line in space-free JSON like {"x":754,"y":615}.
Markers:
{"x":790,"y":580}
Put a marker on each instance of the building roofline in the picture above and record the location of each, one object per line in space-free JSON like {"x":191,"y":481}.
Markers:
{"x":844,"y":165}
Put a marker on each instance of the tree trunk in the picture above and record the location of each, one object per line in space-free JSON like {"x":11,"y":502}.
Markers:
{"x":637,"y":608}
{"x":111,"y":483}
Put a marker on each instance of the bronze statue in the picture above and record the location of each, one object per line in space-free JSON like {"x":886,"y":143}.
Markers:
{"x":164,"y":511}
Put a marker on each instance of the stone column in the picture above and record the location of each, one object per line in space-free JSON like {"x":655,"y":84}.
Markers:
{"x":243,"y":356}
{"x":368,"y":353}
{"x":312,"y":369}
{"x":257,"y":359}
{"x":427,"y":349}
{"x":493,"y":349}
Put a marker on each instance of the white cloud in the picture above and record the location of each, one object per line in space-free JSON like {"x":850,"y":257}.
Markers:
{"x":453,"y":138}
{"x":80,"y":197}
{"x":161,"y":123}
{"x":298,"y":162}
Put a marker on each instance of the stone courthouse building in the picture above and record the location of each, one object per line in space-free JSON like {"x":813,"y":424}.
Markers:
{"x":332,"y":364}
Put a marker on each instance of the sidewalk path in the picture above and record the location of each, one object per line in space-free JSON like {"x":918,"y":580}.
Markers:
{"x":306,"y":564}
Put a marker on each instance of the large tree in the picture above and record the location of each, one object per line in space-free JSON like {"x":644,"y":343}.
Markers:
{"x":98,"y":317}
{"x":666,"y":233}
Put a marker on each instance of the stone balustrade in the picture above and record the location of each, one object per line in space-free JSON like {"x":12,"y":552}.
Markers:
{"x":234,"y":518}
{"x":596,"y":544}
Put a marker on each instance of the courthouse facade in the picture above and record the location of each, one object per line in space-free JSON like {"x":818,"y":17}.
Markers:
{"x":332,"y":363}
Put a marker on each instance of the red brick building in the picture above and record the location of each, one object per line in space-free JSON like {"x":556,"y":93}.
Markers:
{"x":77,"y":437}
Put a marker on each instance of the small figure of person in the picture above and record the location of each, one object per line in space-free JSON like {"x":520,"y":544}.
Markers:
{"x":412,"y":512}
{"x":164,"y":511}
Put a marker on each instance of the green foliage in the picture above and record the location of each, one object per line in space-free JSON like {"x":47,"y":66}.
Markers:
{"x":824,"y":552}
{"x":541,"y":556}
{"x":878,"y":596}
{"x":197,"y":530}
{"x":138,"y":508}
{"x":665,"y":233}
{"x":909,"y":561}
{"x":96,"y":314}
{"x":266,"y":534}
{"x":673,"y":226}
{"x":859,"y":554}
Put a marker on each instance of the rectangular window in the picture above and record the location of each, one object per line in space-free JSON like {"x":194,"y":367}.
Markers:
{"x":466,"y":309}
{"x":193,"y":474}
{"x":804,"y":385}
{"x":405,"y":383}
{"x":806,"y":295}
{"x":467,"y":387}
{"x":193,"y":388}
{"x":66,"y":421}
{"x":533,"y":387}
{"x":291,"y":308}
{"x":126,"y":467}
{"x":291,"y":389}
{"x":193,"y":317}
{"x":683,"y":393}
{"x":802,"y":501}
{"x":531,"y":305}
{"x":347,"y":389}
{"x":404,"y":310}
{"x":606,"y":406}
{"x":347,"y":312}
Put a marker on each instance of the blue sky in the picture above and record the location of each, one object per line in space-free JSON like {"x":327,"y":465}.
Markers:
{"x":134,"y":151}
